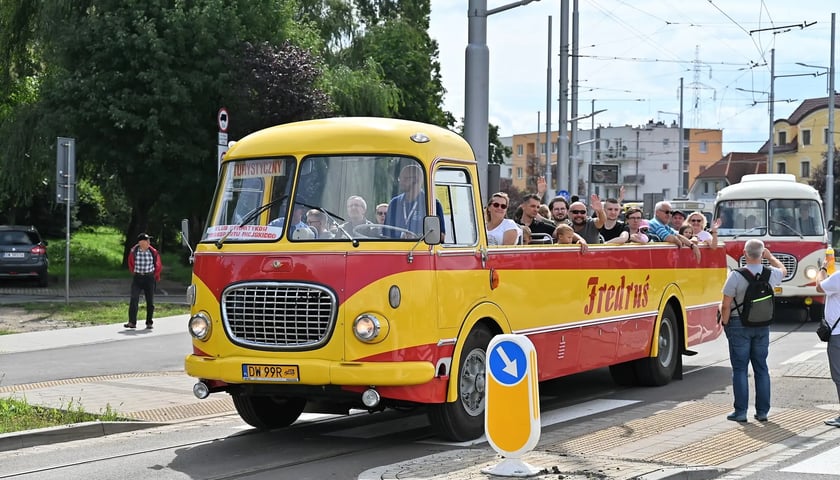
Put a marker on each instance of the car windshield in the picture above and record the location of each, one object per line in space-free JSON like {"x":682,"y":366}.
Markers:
{"x":742,"y":218}
{"x":336,"y":198}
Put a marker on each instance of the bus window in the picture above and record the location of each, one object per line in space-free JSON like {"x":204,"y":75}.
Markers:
{"x":796,"y":217}
{"x":742,"y":218}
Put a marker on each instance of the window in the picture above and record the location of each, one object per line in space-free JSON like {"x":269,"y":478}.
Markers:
{"x":542,"y":149}
{"x":554,"y":147}
{"x":742,"y":218}
{"x":780,"y":167}
{"x":453,"y":190}
{"x":519,"y":172}
{"x":519,"y":150}
{"x":664,"y":167}
{"x":805,"y":169}
{"x":825,"y":136}
{"x":666,"y":142}
{"x":806,"y":137}
{"x":704,"y":146}
{"x":782,"y":138}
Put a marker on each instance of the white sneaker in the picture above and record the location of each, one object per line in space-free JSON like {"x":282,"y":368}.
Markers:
{"x":834,"y":422}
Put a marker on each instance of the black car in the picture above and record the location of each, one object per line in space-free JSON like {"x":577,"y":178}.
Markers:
{"x":23,"y":254}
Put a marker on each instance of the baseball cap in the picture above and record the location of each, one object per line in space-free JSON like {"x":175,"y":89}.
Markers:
{"x":143,"y":236}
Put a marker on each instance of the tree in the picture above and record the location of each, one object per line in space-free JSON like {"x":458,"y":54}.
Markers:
{"x":139,"y":82}
{"x":818,"y":181}
{"x":274,"y":85}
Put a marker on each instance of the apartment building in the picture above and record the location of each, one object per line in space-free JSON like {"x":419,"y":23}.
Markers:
{"x":644,"y":159}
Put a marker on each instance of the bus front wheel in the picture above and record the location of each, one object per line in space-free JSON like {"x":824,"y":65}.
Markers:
{"x":463,"y":419}
{"x":267,"y":412}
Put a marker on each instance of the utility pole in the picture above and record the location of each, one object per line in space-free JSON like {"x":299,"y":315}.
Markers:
{"x":549,"y":191}
{"x":771,"y":109}
{"x":562,"y":130}
{"x":829,"y":167}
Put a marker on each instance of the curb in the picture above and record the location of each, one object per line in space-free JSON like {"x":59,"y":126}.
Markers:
{"x":66,"y":433}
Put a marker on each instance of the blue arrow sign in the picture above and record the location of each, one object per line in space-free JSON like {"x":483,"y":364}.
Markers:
{"x":508,"y":363}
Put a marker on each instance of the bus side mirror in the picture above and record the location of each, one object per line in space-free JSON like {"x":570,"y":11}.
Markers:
{"x":831,"y":225}
{"x":431,"y":229}
{"x":185,"y":237}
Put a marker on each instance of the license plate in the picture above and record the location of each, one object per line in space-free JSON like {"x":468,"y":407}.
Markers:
{"x":13,"y":255}
{"x":272,"y":373}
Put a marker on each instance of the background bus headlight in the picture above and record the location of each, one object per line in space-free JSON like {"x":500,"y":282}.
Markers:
{"x":369,"y":328}
{"x":200,"y":326}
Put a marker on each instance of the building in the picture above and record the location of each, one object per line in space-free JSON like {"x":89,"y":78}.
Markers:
{"x":801,"y":140}
{"x":643,"y":159}
{"x":726,"y":171}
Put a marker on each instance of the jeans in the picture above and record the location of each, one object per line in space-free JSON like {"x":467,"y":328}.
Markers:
{"x":749,"y":345}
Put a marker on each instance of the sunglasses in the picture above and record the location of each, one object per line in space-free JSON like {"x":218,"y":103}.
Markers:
{"x":666,"y":212}
{"x":578,"y":212}
{"x":499,"y":205}
{"x":382,"y":213}
{"x":696,"y":220}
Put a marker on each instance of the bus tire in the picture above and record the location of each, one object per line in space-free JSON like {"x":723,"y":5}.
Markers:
{"x":463,"y":419}
{"x":658,"y":370}
{"x":624,"y":374}
{"x":267,"y":412}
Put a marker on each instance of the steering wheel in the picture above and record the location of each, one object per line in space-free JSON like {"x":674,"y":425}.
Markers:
{"x":374,"y":230}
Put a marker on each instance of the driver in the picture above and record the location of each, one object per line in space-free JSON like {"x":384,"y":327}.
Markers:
{"x":406,"y":210}
{"x":356,"y":214}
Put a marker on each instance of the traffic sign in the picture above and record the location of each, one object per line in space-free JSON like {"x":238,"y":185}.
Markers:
{"x":512,"y":410}
{"x":223,"y":119}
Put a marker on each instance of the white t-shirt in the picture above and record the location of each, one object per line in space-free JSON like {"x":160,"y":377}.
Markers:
{"x":497,"y":235}
{"x":704,"y":236}
{"x":831,"y":286}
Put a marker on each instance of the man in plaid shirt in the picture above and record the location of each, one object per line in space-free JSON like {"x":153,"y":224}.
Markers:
{"x":145,"y":265}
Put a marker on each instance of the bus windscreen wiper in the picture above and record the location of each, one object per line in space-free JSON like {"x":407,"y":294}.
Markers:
{"x":250,"y":216}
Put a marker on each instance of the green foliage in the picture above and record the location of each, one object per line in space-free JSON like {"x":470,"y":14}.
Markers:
{"x":274,"y":85}
{"x":81,"y":314}
{"x":17,"y":415}
{"x":362,"y":92}
{"x":98,"y":253}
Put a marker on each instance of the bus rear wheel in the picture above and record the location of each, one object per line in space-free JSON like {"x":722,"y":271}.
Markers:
{"x":267,"y":412}
{"x":463,"y":419}
{"x":659,"y":370}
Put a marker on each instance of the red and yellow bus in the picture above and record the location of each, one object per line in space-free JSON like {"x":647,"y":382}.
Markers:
{"x":299,"y":303}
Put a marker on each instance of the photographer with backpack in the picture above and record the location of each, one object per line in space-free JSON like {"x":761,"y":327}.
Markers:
{"x":745,"y":312}
{"x":830,"y":285}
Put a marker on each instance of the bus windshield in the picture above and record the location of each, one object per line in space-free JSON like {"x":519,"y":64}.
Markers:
{"x":777,"y":217}
{"x":336,"y":198}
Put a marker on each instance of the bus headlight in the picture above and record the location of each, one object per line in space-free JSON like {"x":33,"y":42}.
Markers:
{"x":369,"y":328}
{"x":811,"y":272}
{"x":200,"y":326}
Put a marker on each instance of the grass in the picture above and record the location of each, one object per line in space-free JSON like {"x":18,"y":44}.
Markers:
{"x":98,"y":253}
{"x":97,"y":313}
{"x":17,"y":415}
{"x":94,"y":254}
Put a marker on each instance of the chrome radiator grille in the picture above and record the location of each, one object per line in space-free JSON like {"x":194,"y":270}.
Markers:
{"x":789,"y":261}
{"x":278,"y":315}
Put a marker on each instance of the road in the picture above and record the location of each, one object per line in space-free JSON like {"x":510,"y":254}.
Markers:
{"x":584,"y":416}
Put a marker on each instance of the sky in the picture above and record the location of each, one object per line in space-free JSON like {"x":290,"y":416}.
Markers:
{"x":633,"y":54}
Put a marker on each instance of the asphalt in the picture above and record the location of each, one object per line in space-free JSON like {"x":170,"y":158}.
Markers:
{"x":646,"y":441}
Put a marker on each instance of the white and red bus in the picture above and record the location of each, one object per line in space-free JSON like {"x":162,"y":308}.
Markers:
{"x":788,"y":217}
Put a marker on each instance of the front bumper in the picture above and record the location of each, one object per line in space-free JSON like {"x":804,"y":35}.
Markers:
{"x":316,"y":372}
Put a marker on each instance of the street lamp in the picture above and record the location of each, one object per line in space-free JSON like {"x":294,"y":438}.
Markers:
{"x":476,"y":82}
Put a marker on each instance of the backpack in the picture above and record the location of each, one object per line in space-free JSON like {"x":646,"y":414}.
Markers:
{"x":757,"y":308}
